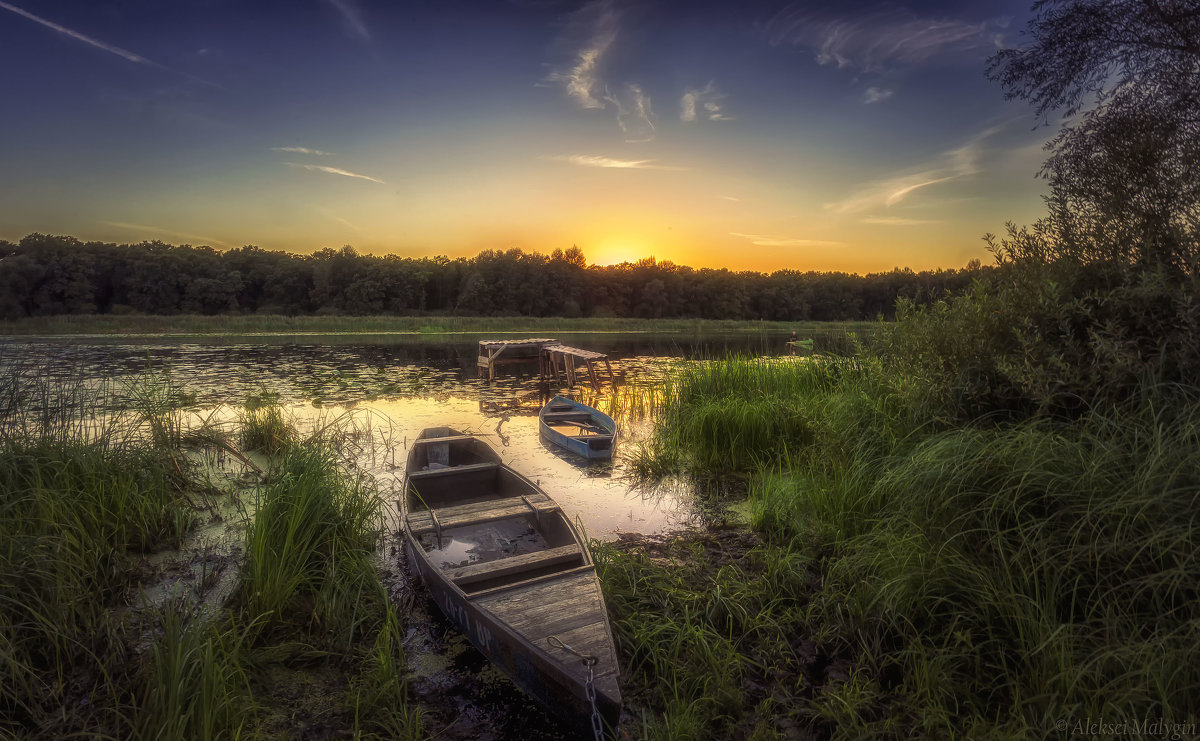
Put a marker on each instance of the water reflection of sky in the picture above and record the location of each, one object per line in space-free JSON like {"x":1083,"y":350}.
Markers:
{"x":396,"y":388}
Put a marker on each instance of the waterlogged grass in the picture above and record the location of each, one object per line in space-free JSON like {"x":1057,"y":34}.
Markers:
{"x":741,"y":415}
{"x":262,"y":426}
{"x":80,"y":500}
{"x":310,"y":549}
{"x":984,"y":581}
{"x":72,"y":517}
{"x":275,"y":324}
{"x":707,"y":626}
{"x":94,"y":478}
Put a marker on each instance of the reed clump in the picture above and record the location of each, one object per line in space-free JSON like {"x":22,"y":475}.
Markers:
{"x":985,"y":580}
{"x":80,"y":500}
{"x":262,"y":425}
{"x":309,"y":551}
{"x":92,"y":479}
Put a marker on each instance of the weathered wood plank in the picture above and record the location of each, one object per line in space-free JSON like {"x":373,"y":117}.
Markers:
{"x":433,"y":473}
{"x":563,"y":599}
{"x":478,"y":512}
{"x":572,"y":416}
{"x":590,"y":640}
{"x":446,"y":439}
{"x":524,"y":585}
{"x":514,"y":564}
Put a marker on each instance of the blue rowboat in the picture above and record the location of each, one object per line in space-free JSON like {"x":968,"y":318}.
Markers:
{"x":579,"y":428}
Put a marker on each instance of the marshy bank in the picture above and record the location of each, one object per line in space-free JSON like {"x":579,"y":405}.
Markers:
{"x":97,"y":482}
{"x":912,"y":575}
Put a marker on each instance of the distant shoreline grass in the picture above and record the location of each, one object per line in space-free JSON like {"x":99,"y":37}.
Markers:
{"x":191,"y":324}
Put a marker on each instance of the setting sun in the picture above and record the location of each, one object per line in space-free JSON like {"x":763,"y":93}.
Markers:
{"x":617,"y":252}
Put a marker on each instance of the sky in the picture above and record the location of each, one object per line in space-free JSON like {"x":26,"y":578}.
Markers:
{"x":754,"y":135}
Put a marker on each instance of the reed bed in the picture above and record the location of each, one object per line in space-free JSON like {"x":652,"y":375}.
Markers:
{"x":986,"y":581}
{"x":262,"y":426}
{"x":92,"y":479}
{"x":310,"y":548}
{"x":80,"y":499}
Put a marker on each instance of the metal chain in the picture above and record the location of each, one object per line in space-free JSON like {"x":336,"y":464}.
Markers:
{"x":589,"y":688}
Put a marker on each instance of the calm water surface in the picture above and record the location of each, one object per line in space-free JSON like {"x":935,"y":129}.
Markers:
{"x":402,"y":383}
{"x":389,"y":388}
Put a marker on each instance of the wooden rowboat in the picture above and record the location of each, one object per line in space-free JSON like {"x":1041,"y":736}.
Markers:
{"x":506,"y":565}
{"x":579,"y":428}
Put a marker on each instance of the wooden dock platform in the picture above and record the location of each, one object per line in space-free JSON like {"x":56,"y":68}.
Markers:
{"x":554,"y":356}
{"x":504,"y":352}
{"x":561,"y":361}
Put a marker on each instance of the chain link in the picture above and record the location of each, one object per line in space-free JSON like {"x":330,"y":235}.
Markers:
{"x":589,"y":688}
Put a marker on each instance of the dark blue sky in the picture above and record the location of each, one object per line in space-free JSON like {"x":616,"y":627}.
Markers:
{"x":757,"y":135}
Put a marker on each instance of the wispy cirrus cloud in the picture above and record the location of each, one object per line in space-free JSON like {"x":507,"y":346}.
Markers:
{"x":334,"y":171}
{"x":768,"y":240}
{"x":344,"y":222}
{"x":110,"y":48}
{"x":705,"y":104}
{"x":126,"y":55}
{"x":301,"y":150}
{"x":166,"y":232}
{"x":899,"y":221}
{"x":877,"y":41}
{"x":876,"y":94}
{"x":591,"y":32}
{"x":955,"y":164}
{"x":351,"y":18}
{"x":634,"y":115}
{"x":589,"y":160}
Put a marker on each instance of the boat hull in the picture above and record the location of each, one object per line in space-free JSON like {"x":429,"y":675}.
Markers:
{"x":595,"y":446}
{"x":541,"y":679}
{"x":529,"y":587}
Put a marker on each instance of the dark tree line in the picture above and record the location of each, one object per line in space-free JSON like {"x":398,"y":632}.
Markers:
{"x":47,"y":275}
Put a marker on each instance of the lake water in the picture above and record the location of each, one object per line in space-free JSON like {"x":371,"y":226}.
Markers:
{"x":387,"y":388}
{"x":399,"y":384}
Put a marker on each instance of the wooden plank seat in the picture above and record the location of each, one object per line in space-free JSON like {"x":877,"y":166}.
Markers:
{"x":476,"y":572}
{"x":567,"y":417}
{"x":476,"y":513}
{"x":432,"y":473}
{"x":436,"y":440}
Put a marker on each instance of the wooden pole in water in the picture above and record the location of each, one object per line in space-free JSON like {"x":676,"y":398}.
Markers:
{"x":592,"y":376}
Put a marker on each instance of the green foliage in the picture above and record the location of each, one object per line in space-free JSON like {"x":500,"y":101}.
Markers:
{"x":1045,"y":334}
{"x":698,"y":638}
{"x":740,"y":415}
{"x":1124,"y":170}
{"x":262,"y":425}
{"x":48,"y":275}
{"x":87,"y":491}
{"x":379,"y":699}
{"x":79,"y":502}
{"x":986,"y":580}
{"x":309,"y":556}
{"x":194,"y":683}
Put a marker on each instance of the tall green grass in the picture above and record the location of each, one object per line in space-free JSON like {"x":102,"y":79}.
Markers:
{"x":706,"y":633}
{"x":93,"y":478}
{"x":262,"y":425}
{"x":194,"y":683}
{"x":986,"y":580}
{"x":741,"y":414}
{"x":80,"y":499}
